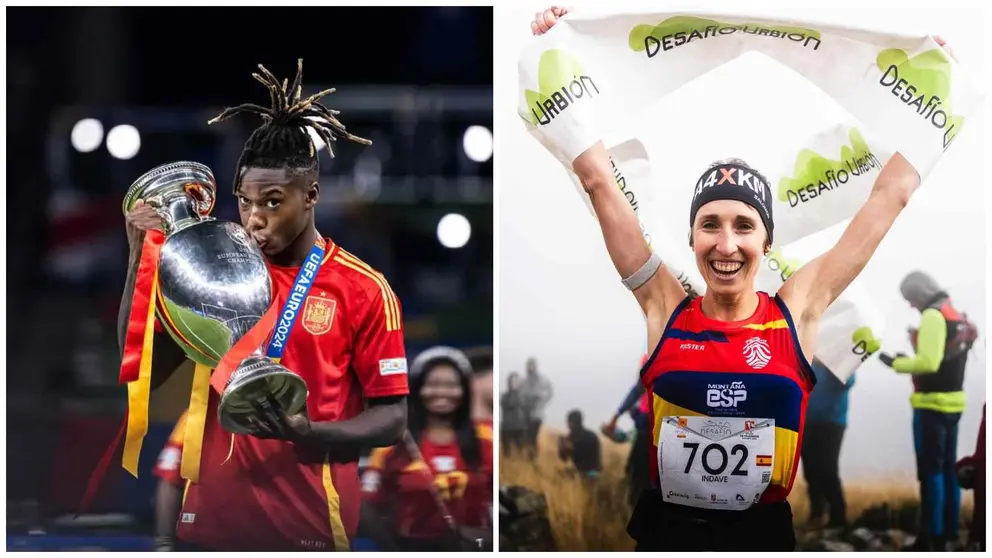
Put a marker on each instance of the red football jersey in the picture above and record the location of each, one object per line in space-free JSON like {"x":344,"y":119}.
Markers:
{"x":347,"y":344}
{"x":397,"y":485}
{"x":169,"y":459}
{"x":728,"y":404}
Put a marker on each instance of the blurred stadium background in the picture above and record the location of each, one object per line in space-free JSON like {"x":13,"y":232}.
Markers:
{"x":97,"y":96}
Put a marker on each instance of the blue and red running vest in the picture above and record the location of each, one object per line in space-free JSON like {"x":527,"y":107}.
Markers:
{"x":753,"y":368}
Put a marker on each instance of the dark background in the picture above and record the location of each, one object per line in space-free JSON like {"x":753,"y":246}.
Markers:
{"x":410,"y":79}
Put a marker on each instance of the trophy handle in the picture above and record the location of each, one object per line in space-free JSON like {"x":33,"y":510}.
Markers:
{"x":202,"y":196}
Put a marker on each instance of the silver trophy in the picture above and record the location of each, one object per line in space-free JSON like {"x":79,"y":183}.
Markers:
{"x":214,"y":286}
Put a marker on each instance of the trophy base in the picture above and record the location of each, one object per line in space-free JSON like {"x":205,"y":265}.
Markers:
{"x":255,"y":380}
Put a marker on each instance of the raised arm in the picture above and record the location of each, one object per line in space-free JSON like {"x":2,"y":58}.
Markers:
{"x":816,"y":285}
{"x":625,"y":243}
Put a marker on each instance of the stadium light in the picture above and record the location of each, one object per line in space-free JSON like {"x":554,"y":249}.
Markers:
{"x":123,"y":141}
{"x":87,"y":134}
{"x":478,"y":143}
{"x":454,"y":230}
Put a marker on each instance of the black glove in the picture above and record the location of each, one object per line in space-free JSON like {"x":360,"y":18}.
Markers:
{"x":887,"y":358}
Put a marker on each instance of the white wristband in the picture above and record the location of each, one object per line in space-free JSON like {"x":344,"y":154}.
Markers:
{"x":644,"y":274}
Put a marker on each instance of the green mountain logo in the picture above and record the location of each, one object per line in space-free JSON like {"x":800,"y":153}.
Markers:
{"x":561,"y":82}
{"x":679,"y":30}
{"x":814,"y":175}
{"x":923,"y":82}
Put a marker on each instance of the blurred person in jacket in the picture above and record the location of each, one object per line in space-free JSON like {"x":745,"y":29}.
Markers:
{"x":943,"y":340}
{"x":971,"y":475}
{"x":537,"y":394}
{"x":513,"y":415}
{"x":171,"y":485}
{"x":636,"y":404}
{"x":826,"y":421}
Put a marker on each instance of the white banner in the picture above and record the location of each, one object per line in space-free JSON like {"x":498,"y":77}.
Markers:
{"x":848,"y":326}
{"x":589,"y":76}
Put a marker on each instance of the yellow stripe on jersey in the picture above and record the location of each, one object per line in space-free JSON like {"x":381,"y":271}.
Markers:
{"x":390,"y":306}
{"x":484,"y":432}
{"x":415,"y":466}
{"x":341,"y":543}
{"x":785,"y":440}
{"x":377,"y":460}
{"x":777,"y":324}
{"x":328,"y":251}
{"x":388,"y":296}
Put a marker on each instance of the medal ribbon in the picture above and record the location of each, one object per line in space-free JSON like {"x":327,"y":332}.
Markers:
{"x":297,"y":295}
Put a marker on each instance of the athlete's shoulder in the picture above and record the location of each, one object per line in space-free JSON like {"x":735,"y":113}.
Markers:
{"x":359,"y":274}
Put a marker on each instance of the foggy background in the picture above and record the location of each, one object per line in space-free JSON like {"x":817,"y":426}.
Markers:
{"x":562,"y":302}
{"x":98,"y":96}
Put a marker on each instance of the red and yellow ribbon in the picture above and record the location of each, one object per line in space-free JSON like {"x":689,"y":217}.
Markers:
{"x":136,"y":364}
{"x":196,"y":420}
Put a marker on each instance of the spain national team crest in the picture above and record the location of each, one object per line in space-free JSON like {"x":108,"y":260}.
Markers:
{"x":318,"y":314}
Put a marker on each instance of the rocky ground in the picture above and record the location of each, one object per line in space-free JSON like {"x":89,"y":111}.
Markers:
{"x":879,"y":529}
{"x":524,"y":526}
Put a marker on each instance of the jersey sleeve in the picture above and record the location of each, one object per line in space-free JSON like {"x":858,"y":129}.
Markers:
{"x":380,"y":356}
{"x":376,"y":480}
{"x":170,"y":458}
{"x":930,"y":341}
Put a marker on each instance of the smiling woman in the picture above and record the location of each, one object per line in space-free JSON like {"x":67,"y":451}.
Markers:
{"x":728,"y":372}
{"x":418,"y":494}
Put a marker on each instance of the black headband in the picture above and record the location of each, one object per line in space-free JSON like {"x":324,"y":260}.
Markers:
{"x":734,"y":182}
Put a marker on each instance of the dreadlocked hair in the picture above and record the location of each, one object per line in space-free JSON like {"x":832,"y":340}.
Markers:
{"x":282,"y":140}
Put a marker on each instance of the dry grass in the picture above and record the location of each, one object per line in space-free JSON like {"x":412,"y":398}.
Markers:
{"x":583,"y":520}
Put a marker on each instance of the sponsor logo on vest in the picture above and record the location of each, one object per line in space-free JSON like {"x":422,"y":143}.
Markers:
{"x":757,"y":353}
{"x":724,"y":395}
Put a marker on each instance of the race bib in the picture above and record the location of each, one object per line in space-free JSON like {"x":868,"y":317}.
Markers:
{"x":715,"y":463}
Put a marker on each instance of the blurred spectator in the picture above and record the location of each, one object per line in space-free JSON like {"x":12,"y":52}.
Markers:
{"x":482,"y":383}
{"x":826,"y":421}
{"x":581,"y":446}
{"x":169,"y":493}
{"x":537,"y":394}
{"x":455,"y":464}
{"x":971,"y":475}
{"x":512,"y":415}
